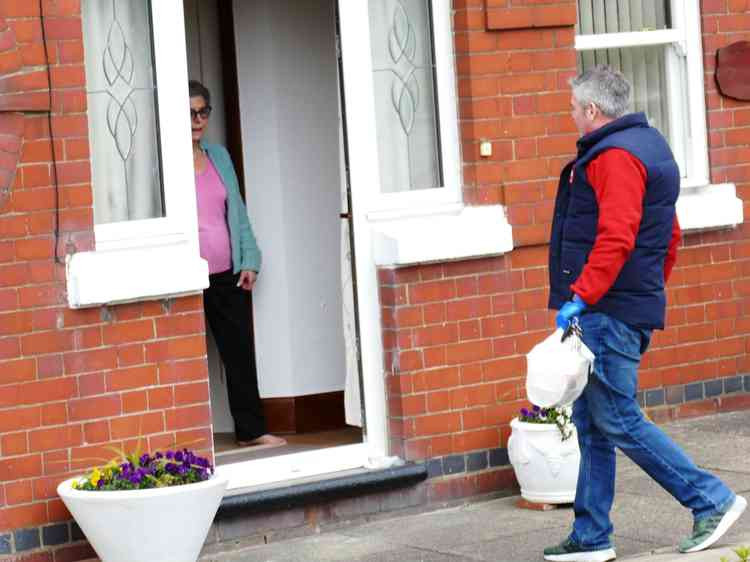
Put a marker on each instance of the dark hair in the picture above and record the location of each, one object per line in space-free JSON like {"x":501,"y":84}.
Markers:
{"x":197,"y":89}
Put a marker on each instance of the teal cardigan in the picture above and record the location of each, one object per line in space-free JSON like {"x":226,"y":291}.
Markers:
{"x":245,"y":251}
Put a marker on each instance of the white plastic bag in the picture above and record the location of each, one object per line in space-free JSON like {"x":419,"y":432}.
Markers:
{"x":557,"y":371}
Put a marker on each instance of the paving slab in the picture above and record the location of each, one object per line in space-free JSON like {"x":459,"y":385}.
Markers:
{"x":713,"y":554}
{"x":417,"y":556}
{"x":731,"y":423}
{"x":525,"y":546}
{"x":730,"y":453}
{"x":528,"y":547}
{"x":464,"y":525}
{"x":334,"y":547}
{"x":659,"y":520}
{"x":642,"y":485}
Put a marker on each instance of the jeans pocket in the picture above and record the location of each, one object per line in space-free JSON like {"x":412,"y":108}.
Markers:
{"x":622,"y":339}
{"x":619,"y":356}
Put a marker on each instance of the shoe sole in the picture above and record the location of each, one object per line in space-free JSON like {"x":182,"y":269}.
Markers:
{"x":592,"y":556}
{"x":738,"y":507}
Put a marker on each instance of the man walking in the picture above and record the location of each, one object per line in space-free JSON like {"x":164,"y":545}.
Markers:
{"x":613,"y":244}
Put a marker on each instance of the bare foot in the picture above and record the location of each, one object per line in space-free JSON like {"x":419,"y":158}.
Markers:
{"x":266,"y":439}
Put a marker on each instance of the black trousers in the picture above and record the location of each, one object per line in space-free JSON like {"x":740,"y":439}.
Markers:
{"x":227,"y":308}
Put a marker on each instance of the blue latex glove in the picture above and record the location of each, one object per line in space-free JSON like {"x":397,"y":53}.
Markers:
{"x":571,"y":309}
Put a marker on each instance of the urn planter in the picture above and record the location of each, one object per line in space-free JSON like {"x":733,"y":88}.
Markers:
{"x":159,"y":524}
{"x":546,"y":467}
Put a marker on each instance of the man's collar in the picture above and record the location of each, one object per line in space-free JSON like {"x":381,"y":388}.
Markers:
{"x":625,"y":122}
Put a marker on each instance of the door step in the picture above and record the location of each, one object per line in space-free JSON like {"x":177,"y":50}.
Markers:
{"x":355,"y":482}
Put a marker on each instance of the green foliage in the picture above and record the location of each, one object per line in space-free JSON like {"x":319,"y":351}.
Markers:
{"x":558,"y":416}
{"x":742,"y":552}
{"x":136,"y":471}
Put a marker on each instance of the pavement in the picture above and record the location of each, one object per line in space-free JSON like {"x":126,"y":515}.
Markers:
{"x":648,"y":523}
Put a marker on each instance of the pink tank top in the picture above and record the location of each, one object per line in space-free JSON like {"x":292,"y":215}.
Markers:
{"x":213,"y":232}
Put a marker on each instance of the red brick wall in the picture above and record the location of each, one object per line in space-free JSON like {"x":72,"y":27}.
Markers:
{"x":71,"y":381}
{"x":455,"y":334}
{"x":513,"y":91}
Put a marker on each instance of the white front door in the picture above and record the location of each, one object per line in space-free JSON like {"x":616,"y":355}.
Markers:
{"x":288,"y":98}
{"x":289,"y":87}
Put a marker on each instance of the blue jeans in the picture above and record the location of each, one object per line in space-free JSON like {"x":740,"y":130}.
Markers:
{"x":606,"y":416}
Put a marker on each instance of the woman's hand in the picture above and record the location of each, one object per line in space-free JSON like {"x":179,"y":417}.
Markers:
{"x":247,"y":279}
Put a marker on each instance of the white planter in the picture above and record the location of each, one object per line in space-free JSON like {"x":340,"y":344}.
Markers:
{"x":160,"y":524}
{"x":546,"y":467}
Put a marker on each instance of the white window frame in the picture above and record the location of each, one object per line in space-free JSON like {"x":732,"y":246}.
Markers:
{"x":159,"y":257}
{"x":417,"y":226}
{"x":449,"y":196}
{"x":701,"y":205}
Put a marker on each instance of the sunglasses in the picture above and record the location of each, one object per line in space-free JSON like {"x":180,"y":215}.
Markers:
{"x":203,"y":112}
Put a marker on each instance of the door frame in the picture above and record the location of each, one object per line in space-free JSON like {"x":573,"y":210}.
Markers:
{"x":362,"y":171}
{"x":363,"y":174}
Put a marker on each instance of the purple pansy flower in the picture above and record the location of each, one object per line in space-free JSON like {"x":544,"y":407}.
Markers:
{"x":171,"y":468}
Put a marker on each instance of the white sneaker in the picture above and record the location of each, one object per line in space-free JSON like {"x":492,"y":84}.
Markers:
{"x":568,"y":551}
{"x":710,"y":529}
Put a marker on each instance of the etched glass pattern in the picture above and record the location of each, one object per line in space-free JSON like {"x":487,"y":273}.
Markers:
{"x":406,"y":104}
{"x":122,"y":112}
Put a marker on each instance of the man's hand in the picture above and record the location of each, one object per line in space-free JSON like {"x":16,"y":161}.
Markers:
{"x":247,"y":279}
{"x":571,"y":309}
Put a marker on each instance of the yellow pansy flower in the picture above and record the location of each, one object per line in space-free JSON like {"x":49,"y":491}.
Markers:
{"x":95,"y":477}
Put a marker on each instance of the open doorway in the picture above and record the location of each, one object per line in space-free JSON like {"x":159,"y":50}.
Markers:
{"x":272,"y":67}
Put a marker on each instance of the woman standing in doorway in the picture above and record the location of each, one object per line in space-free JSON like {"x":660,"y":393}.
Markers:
{"x":228,"y":244}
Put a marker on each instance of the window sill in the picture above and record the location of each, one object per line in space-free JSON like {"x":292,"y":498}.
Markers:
{"x":119,"y":276}
{"x":709,"y":207}
{"x":467,"y":232}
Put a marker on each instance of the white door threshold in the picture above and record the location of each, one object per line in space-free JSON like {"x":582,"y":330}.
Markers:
{"x":294,"y":466}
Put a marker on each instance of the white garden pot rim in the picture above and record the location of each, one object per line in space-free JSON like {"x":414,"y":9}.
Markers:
{"x":66,"y":487}
{"x":530,"y":426}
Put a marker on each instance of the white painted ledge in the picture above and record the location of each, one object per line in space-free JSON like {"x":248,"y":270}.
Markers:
{"x":467,"y":232}
{"x":270,"y":470}
{"x":709,"y":207}
{"x":126,"y":275}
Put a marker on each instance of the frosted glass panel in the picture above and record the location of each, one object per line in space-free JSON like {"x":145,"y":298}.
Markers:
{"x":405,"y":98}
{"x":121,"y":91}
{"x":615,"y":16}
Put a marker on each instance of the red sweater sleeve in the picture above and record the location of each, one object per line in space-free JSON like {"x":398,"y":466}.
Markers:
{"x":619,"y":182}
{"x":672,"y":250}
